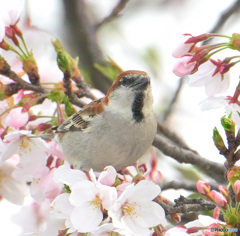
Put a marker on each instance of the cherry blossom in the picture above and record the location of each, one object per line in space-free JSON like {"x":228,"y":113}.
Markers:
{"x":219,"y":199}
{"x":9,"y":14}
{"x":179,"y":230}
{"x":108,"y":176}
{"x":35,"y":219}
{"x":203,"y":187}
{"x":19,"y":143}
{"x":10,"y":188}
{"x":135,"y":211}
{"x":183,"y":48}
{"x":214,"y":83}
{"x":64,"y":174}
{"x":89,"y":199}
{"x":86,"y":198}
{"x":44,"y":187}
{"x":22,"y":118}
{"x":184,"y":67}
{"x":236,"y":189}
{"x":223,"y":103}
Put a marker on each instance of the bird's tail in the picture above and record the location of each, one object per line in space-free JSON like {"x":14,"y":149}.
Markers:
{"x":43,"y":136}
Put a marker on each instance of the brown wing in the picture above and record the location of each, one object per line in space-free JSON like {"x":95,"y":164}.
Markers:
{"x":81,"y":120}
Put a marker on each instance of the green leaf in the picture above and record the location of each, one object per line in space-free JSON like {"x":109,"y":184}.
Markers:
{"x":228,"y":124}
{"x":111,"y":71}
{"x":64,"y":60}
{"x":218,"y":141}
{"x":56,"y":96}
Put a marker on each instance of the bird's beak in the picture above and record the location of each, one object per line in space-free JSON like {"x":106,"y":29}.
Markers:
{"x":141,"y":83}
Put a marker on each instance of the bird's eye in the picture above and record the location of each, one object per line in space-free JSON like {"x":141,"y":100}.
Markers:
{"x":124,"y":81}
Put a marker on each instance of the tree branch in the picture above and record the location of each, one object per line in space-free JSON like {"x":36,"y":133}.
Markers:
{"x":5,"y":70}
{"x":183,"y":185}
{"x":83,"y":41}
{"x":68,"y":90}
{"x":115,"y":13}
{"x":184,"y":205}
{"x":174,"y":99}
{"x":162,"y":129}
{"x":213,"y":169}
{"x":225,"y":16}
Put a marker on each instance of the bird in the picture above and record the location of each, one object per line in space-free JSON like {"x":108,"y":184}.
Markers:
{"x":115,"y":130}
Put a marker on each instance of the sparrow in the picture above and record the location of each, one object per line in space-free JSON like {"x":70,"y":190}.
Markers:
{"x":114,"y":130}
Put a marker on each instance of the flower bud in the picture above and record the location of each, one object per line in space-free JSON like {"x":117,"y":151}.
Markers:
{"x":202,"y":187}
{"x":219,"y":199}
{"x":224,"y":191}
{"x":216,"y":213}
{"x":218,"y":141}
{"x":235,"y":42}
{"x":233,"y":174}
{"x":175,"y":218}
{"x":228,"y":124}
{"x":43,"y":126}
{"x":236,"y":189}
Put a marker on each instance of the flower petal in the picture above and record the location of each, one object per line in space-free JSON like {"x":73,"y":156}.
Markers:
{"x":68,"y":176}
{"x":83,"y":192}
{"x":82,"y":222}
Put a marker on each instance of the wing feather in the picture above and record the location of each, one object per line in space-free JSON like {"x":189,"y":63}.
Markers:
{"x":82,"y":119}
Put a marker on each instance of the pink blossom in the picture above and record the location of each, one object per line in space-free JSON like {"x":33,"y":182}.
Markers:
{"x":135,"y":211}
{"x":219,"y":199}
{"x":35,"y":219}
{"x":203,"y":187}
{"x":183,"y":48}
{"x":108,"y":176}
{"x":184,"y":67}
{"x":10,"y":188}
{"x":224,"y":191}
{"x":16,"y":118}
{"x":9,"y":14}
{"x":213,"y":82}
{"x":179,"y":230}
{"x":10,"y":11}
{"x":222,"y":102}
{"x":236,"y":189}
{"x":44,"y":187}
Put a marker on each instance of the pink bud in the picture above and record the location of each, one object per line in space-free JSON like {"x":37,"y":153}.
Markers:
{"x":219,"y":199}
{"x":108,"y":176}
{"x":184,"y":66}
{"x":236,"y":189}
{"x":43,"y":126}
{"x":202,"y":187}
{"x":182,"y":50}
{"x":216,"y":213}
{"x":175,"y":218}
{"x":224,"y":192}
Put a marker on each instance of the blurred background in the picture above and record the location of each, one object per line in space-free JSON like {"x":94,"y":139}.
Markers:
{"x":138,"y":35}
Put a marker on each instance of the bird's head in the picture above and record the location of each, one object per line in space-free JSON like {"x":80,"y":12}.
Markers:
{"x":131,"y":95}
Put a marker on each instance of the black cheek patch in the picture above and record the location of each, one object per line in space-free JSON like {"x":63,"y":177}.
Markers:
{"x":137,"y":107}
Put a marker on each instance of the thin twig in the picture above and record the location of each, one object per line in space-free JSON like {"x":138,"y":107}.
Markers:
{"x":5,"y":70}
{"x":68,"y":90}
{"x":225,"y":16}
{"x":174,"y":99}
{"x":82,"y":35}
{"x":184,"y":205}
{"x":213,"y":169}
{"x":184,"y":185}
{"x":115,"y":13}
{"x":163,"y":130}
